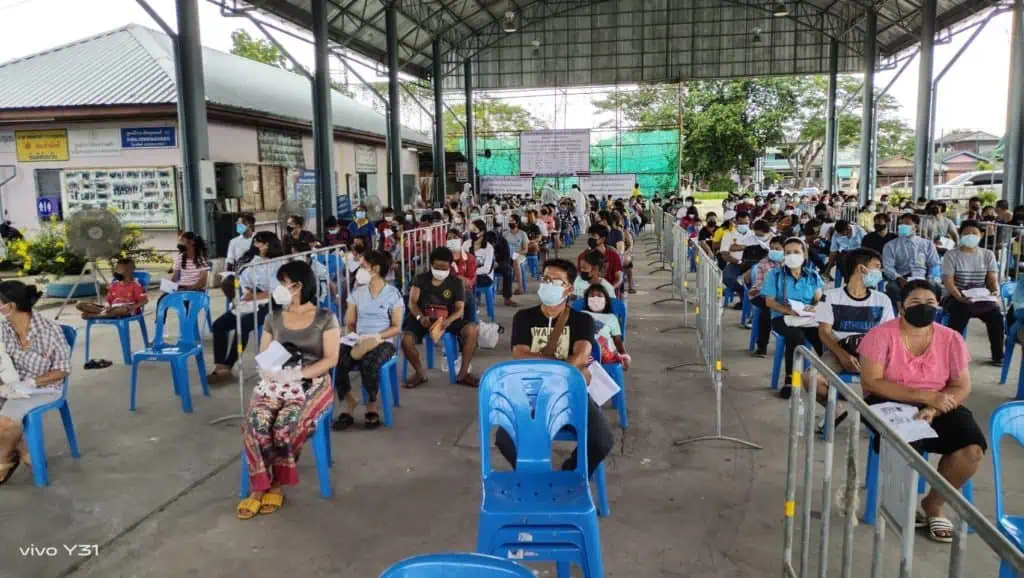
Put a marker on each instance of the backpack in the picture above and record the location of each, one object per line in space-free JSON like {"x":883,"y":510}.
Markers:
{"x":502,"y":252}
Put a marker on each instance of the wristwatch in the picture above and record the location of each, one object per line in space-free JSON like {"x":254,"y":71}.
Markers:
{"x":419,"y":317}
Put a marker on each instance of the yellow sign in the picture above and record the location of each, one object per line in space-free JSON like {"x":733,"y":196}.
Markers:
{"x":36,"y":146}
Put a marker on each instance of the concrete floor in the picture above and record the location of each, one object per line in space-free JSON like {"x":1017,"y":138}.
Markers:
{"x":155,"y":490}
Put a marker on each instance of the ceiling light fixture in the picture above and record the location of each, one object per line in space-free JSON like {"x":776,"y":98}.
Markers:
{"x":780,"y":10}
{"x":510,"y":22}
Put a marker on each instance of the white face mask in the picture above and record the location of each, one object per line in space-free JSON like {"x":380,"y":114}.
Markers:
{"x":454,"y":245}
{"x":794,"y":260}
{"x":596,"y":304}
{"x":439,"y":274}
{"x":282,"y":296}
{"x":389,"y":218}
{"x":362,"y":276}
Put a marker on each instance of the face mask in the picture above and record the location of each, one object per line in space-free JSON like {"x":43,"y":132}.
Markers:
{"x":592,"y":243}
{"x":118,"y":277}
{"x":774,"y":206}
{"x":362,"y":276}
{"x":712,"y":224}
{"x":474,"y":215}
{"x":794,"y":260}
{"x":389,"y":218}
{"x":240,"y":228}
{"x":921,"y":315}
{"x":409,"y":218}
{"x":596,"y":303}
{"x":439,"y":274}
{"x":881,"y":227}
{"x":905,"y":230}
{"x":688,"y":204}
{"x":454,"y":245}
{"x":970,"y":241}
{"x":357,"y":249}
{"x":804,"y":221}
{"x":333,"y":231}
{"x":289,"y":228}
{"x":788,"y":212}
{"x":181,"y":248}
{"x":360,"y":214}
{"x":550,"y":294}
{"x":873,"y":277}
{"x":776,"y":255}
{"x":742,"y":229}
{"x":474,"y":236}
{"x":282,"y":296}
{"x":586,"y":276}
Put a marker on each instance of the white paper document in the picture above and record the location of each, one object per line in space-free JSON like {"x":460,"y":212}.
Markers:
{"x":900,"y":417}
{"x":980,"y":294}
{"x":273,"y":358}
{"x":226,"y":274}
{"x":801,"y":308}
{"x":247,"y":307}
{"x":168,"y":286}
{"x":800,"y":321}
{"x":351,"y":339}
{"x":602,"y":387}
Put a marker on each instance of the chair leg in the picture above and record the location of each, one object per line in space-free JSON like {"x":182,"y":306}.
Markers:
{"x":871,"y":482}
{"x":320,"y":455}
{"x":179,"y":372}
{"x":327,"y":437}
{"x":602,"y":492}
{"x":428,"y":347}
{"x":243,"y":487}
{"x":395,"y":389}
{"x":125,"y":334}
{"x":37,"y":449}
{"x":592,"y":539}
{"x":201,"y":365}
{"x":145,"y":331}
{"x":384,"y":393}
{"x":88,"y":333}
{"x":563,"y":569}
{"x":451,"y":351}
{"x":780,"y":352}
{"x":135,"y":381}
{"x":69,"y":430}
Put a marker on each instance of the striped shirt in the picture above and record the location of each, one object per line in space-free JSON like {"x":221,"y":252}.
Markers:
{"x":188,"y":272}
{"x":47,"y":349}
{"x":968,"y":269}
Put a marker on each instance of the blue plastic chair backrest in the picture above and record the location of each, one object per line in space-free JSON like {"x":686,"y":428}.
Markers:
{"x":1007,"y":419}
{"x":456,"y":566}
{"x":619,"y":309}
{"x":532,"y":400}
{"x":188,"y":323}
{"x":143,"y":278}
{"x":577,"y":304}
{"x":70,"y":335}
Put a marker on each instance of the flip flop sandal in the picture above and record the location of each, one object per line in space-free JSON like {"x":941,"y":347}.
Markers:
{"x":372,"y":420}
{"x":104,"y":363}
{"x":940,"y":524}
{"x":248,"y":509}
{"x":91,"y":364}
{"x":13,"y":467}
{"x":469,"y":381}
{"x":343,"y":422}
{"x":415,"y":382}
{"x":271,"y":502}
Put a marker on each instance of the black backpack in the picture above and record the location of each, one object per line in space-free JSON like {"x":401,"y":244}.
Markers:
{"x":502,"y":252}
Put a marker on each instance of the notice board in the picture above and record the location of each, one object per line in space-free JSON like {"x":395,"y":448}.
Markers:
{"x":506,"y":185}
{"x":143,"y":196}
{"x":614,"y":185}
{"x":554,"y":152}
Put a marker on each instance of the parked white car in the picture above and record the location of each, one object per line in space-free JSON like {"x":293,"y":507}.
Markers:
{"x":970,"y":184}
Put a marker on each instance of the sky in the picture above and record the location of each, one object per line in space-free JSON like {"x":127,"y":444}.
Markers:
{"x":972,"y":95}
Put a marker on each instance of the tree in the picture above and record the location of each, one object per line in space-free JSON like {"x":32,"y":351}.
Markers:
{"x":648,"y":107}
{"x":489,"y":116}
{"x":259,"y":50}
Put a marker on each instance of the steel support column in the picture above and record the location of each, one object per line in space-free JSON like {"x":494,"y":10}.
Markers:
{"x":829,"y":165}
{"x":440,"y":174}
{"x":195,"y":141}
{"x":470,"y":145}
{"x":394,"y":110}
{"x":867,"y":125}
{"x":1013,"y":149}
{"x":323,"y":127}
{"x":922,"y":154}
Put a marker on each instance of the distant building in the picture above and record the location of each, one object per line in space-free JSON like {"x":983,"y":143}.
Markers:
{"x":899,"y":171}
{"x":974,"y":141}
{"x":962,"y":162}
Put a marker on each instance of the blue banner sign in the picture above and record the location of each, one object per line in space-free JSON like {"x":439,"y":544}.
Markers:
{"x":150,"y":137}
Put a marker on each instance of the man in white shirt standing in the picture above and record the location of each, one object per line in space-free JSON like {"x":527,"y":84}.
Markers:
{"x":731,"y":250}
{"x":580,"y":200}
{"x":245,"y":226}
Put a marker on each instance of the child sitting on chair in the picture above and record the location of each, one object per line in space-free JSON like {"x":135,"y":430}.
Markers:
{"x":125,"y":296}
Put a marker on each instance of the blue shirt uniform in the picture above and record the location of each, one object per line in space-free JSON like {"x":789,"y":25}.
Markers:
{"x":842,"y":244}
{"x":781,"y":286}
{"x":909,"y":257}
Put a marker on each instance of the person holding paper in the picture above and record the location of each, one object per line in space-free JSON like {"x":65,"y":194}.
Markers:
{"x":437,"y":304}
{"x":41,"y":358}
{"x":553,"y":330}
{"x":276,"y":426}
{"x":792,"y":291}
{"x":915,"y":360}
{"x":191,"y":264}
{"x":374,"y":312}
{"x":257,"y":281}
{"x":907,"y":257}
{"x":125,"y":296}
{"x":970,"y":276}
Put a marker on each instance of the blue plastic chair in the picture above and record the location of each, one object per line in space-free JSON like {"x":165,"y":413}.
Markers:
{"x":755,"y":327}
{"x":321,"y":441}
{"x":1011,"y":346}
{"x":32,"y":424}
{"x":489,"y":294}
{"x":1007,"y":419}
{"x":780,"y":355}
{"x":533,"y":264}
{"x":451,"y":353}
{"x":533,"y":401}
{"x":123,"y":324}
{"x":388,"y":386}
{"x":944,"y":319}
{"x":522,"y":276}
{"x":188,"y":345}
{"x":456,"y":566}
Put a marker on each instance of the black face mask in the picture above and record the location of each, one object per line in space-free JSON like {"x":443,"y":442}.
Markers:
{"x":592,"y":243}
{"x":920,"y":315}
{"x":586,"y":276}
{"x":289,"y":228}
{"x":358,"y":249}
{"x":118,"y":277}
{"x":474,"y":236}
{"x":881,"y":227}
{"x":181,"y":247}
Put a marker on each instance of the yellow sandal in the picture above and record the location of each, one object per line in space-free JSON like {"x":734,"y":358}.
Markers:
{"x":248,"y":509}
{"x":271,"y":502}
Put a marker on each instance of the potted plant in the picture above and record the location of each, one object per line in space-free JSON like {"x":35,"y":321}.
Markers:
{"x":47,"y":254}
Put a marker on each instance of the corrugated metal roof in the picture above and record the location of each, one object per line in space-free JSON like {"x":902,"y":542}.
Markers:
{"x":966,"y":136}
{"x":134,"y":65}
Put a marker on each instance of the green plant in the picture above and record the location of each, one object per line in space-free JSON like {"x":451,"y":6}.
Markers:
{"x":722,"y":184}
{"x":771,"y":176}
{"x":132,"y":248}
{"x":47,"y":253}
{"x":987,"y":197}
{"x":897,"y":197}
{"x":711,"y":196}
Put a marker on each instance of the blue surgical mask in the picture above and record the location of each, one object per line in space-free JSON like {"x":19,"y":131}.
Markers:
{"x":360,"y":214}
{"x":872,"y":278}
{"x":776,"y":255}
{"x":550,"y":294}
{"x":240,"y":228}
{"x":970,"y":241}
{"x":905,"y":230}
{"x":742,"y":229}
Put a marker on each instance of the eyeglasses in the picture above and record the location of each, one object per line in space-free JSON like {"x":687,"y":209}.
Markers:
{"x":559,"y":282}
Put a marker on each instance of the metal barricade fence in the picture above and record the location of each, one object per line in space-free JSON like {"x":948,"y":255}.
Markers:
{"x":680,"y":264}
{"x":416,"y":245}
{"x":708,"y":300}
{"x":656,"y":219}
{"x":899,"y":467}
{"x":666,"y":255}
{"x":333,"y":274}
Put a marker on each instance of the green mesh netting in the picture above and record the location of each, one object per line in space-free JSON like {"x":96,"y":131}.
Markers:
{"x":653,"y":156}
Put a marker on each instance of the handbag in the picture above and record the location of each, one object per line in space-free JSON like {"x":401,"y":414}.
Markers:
{"x":364,"y":346}
{"x":850,"y":343}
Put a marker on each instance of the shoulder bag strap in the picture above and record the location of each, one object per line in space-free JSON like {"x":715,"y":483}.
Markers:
{"x":556,"y":334}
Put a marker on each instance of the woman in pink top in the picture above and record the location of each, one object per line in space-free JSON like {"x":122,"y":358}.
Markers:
{"x":916,"y":361}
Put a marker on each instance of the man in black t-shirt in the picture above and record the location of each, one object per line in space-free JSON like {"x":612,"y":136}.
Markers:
{"x":876,"y":240}
{"x":531,"y":330}
{"x":438,"y":296}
